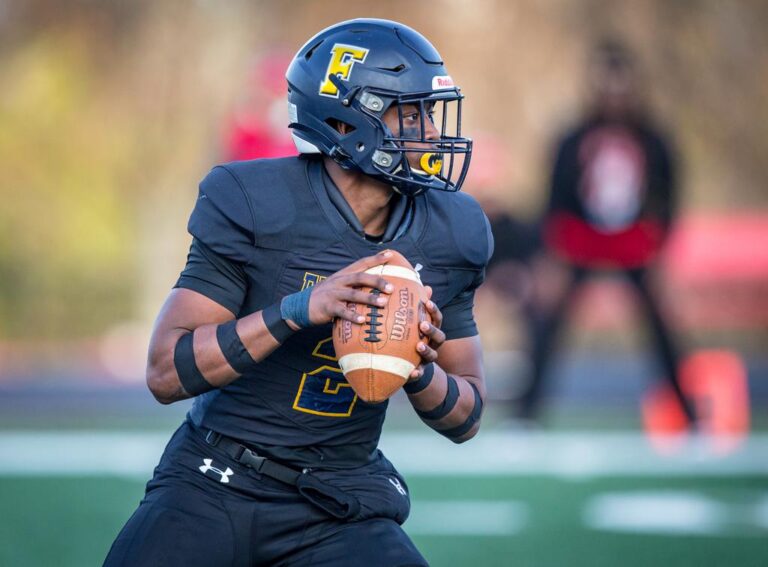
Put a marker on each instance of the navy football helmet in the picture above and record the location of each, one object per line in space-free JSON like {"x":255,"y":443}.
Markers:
{"x":352,"y":73}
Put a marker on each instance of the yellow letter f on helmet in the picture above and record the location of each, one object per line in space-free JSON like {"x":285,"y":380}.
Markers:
{"x":343,"y":58}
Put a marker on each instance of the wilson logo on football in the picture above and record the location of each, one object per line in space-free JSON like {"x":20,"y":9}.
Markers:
{"x":403,"y":313}
{"x":346,"y":326}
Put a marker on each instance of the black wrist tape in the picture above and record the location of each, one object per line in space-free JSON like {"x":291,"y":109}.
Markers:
{"x":472,"y":418}
{"x":276,"y":326}
{"x":448,"y":403}
{"x":233,"y":348}
{"x":424,"y":380}
{"x":190,"y":376}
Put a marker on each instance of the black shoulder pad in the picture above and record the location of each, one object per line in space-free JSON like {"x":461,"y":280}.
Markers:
{"x":459,"y":234}
{"x":277,"y":191}
{"x":222,"y":218}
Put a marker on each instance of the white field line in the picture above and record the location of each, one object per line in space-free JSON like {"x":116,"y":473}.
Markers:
{"x":467,"y":518}
{"x":566,"y":455}
{"x":676,"y":513}
{"x":575,"y":455}
{"x":665,"y":512}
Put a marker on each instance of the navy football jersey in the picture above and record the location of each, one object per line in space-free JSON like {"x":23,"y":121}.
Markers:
{"x":264,"y":229}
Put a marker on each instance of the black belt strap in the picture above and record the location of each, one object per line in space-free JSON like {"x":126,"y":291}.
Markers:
{"x":334,"y":501}
{"x":251,"y":458}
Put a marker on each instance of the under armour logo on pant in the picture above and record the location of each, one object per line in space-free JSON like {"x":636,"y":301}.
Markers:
{"x":399,"y":487}
{"x":224,"y":474}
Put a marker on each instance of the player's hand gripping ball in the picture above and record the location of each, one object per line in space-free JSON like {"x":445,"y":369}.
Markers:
{"x":378,"y":356}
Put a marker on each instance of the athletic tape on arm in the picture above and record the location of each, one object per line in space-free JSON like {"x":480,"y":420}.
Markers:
{"x":424,"y":380}
{"x":472,"y":418}
{"x":233,"y":348}
{"x":448,"y":403}
{"x":191,"y":378}
{"x":275,"y":323}
{"x":296,"y":307}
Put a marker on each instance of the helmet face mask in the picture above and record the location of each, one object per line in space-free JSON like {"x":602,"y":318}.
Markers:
{"x":387,"y":86}
{"x":425,"y":148}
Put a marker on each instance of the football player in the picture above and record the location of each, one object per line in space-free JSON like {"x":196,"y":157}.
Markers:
{"x":612,"y":202}
{"x":277,"y":461}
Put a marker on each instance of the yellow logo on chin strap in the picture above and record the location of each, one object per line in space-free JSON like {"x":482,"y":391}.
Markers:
{"x":343,"y":58}
{"x":431,"y":163}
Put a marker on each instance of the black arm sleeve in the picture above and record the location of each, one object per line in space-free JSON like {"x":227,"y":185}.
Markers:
{"x":216,"y":277}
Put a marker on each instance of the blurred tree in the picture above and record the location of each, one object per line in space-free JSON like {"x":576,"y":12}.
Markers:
{"x":65,"y":247}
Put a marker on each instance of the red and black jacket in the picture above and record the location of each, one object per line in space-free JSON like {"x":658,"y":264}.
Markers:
{"x":612,"y":196}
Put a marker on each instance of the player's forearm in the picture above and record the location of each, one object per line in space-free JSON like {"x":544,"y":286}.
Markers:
{"x":211,"y":354}
{"x":450,"y":404}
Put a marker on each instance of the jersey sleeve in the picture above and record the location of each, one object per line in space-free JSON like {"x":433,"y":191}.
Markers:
{"x":458,"y":314}
{"x":223,"y":218}
{"x":214,"y":276}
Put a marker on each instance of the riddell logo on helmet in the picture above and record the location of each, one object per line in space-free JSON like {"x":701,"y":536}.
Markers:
{"x":343,"y":58}
{"x":442,"y":82}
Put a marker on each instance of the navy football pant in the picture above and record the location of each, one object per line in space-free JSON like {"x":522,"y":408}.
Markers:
{"x":189,"y":517}
{"x":546,"y":331}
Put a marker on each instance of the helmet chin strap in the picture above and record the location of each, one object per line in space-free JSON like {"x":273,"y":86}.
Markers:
{"x":415,"y":189}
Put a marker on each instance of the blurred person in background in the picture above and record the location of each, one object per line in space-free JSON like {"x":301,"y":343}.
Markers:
{"x":516,"y":243}
{"x":278,"y":459}
{"x":257,"y":126}
{"x":612,"y":201}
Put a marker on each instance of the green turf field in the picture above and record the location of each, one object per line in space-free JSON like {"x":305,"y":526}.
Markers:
{"x":697,"y":510}
{"x":516,"y":521}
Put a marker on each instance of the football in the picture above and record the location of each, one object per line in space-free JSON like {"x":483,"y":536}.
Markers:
{"x":378,"y":356}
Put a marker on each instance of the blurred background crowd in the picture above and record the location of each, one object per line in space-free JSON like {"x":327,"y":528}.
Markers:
{"x":620,"y":153}
{"x":111,"y":112}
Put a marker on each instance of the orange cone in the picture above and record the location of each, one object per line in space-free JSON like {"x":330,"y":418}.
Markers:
{"x":716,"y":382}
